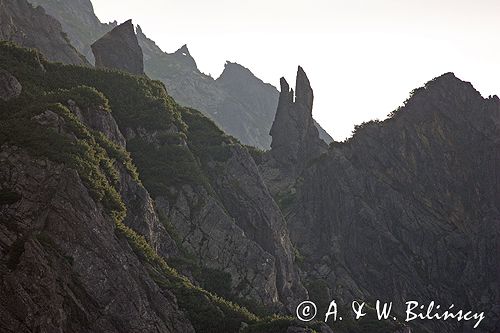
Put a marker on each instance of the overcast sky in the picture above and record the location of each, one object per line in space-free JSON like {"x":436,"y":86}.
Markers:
{"x":362,"y":57}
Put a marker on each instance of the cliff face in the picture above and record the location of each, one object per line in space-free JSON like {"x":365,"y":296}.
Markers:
{"x":79,"y":21}
{"x":32,"y":27}
{"x":119,"y":49}
{"x":106,"y":183}
{"x":141,"y":215}
{"x":408,"y":208}
{"x":77,"y":219}
{"x":63,"y":265}
{"x":226,"y":220}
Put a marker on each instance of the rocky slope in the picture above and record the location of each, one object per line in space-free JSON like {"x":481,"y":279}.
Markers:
{"x":240,"y":103}
{"x":63,"y":268}
{"x":119,"y":49}
{"x":63,"y":265}
{"x":408,"y":208}
{"x":32,"y":27}
{"x":79,"y":21}
{"x":107,"y":185}
{"x":238,"y":234}
{"x":101,"y":242}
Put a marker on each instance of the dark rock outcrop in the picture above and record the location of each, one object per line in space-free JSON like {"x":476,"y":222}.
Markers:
{"x":33,"y":28}
{"x":408,"y":208}
{"x":119,"y":49}
{"x":295,"y":137}
{"x":9,"y":86}
{"x":99,"y":119}
{"x":248,"y":201}
{"x":62,"y":266}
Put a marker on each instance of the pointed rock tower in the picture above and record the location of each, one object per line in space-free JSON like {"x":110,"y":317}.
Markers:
{"x":295,"y":138}
{"x":119,"y":49}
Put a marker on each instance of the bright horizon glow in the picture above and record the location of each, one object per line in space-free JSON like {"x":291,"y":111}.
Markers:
{"x":362,"y":57}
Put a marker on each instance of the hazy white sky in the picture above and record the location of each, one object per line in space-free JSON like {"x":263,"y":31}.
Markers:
{"x":362,"y":57}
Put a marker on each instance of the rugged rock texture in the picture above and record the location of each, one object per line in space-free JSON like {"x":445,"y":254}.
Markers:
{"x":62,"y":266}
{"x":119,"y":49}
{"x":68,"y":191}
{"x":32,"y":27}
{"x":240,"y":103}
{"x":295,"y":138}
{"x":409,"y":208}
{"x":9,"y":86}
{"x":238,"y":229}
{"x":79,"y":21}
{"x":141,"y":213}
{"x":296,"y":142}
{"x":250,"y":204}
{"x":98,"y":119}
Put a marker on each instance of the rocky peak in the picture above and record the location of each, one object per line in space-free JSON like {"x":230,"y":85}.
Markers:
{"x":184,"y":55}
{"x":304,"y":93}
{"x":295,"y":138}
{"x":233,"y":71}
{"x":183,"y":50}
{"x":119,"y":49}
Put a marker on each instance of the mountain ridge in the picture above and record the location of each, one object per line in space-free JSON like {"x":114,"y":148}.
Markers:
{"x":249,"y":122}
{"x":111,"y":190}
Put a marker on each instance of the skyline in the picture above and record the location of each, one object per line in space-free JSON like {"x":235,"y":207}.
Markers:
{"x":362,"y":58}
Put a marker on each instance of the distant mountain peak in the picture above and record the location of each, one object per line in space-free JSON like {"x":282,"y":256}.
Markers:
{"x":185,"y":56}
{"x":183,"y":50}
{"x":235,"y":73}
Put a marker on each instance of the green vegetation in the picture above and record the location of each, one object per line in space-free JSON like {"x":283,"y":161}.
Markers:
{"x":83,"y":96}
{"x":137,"y":103}
{"x":40,"y":122}
{"x":207,"y":312}
{"x":286,"y":198}
{"x":166,"y":165}
{"x":205,"y":139}
{"x":81,"y":153}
